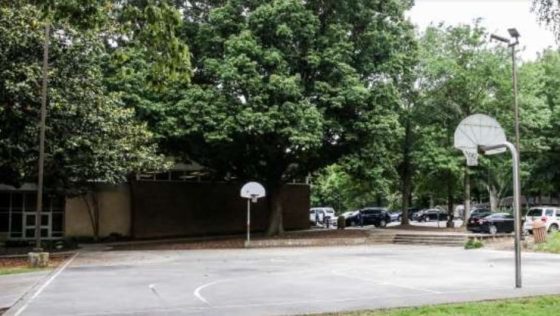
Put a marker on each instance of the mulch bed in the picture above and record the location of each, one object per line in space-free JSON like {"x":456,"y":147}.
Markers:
{"x":238,"y":242}
{"x":14,"y":251}
{"x":21,"y":261}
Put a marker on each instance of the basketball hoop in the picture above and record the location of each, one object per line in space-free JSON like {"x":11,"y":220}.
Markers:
{"x":478,"y":130}
{"x":252,"y":191}
{"x":472,"y":156}
{"x":484,"y":132}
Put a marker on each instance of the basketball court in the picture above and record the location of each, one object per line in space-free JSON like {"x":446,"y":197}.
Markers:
{"x":283,"y":281}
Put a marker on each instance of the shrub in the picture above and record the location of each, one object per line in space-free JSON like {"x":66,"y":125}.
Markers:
{"x":473,"y":244}
{"x":552,"y":244}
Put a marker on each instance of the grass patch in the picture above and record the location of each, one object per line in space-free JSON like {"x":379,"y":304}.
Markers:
{"x":15,"y":270}
{"x":473,"y":244}
{"x":552,"y":244}
{"x":533,"y":306}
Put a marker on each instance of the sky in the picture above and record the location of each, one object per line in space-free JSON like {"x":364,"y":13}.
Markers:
{"x":497,"y":16}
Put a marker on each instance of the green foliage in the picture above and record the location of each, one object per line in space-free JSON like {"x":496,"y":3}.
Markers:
{"x":334,"y":186}
{"x":473,"y":244}
{"x":459,"y":75}
{"x":90,"y":136}
{"x":532,"y":306}
{"x":540,"y":113}
{"x":552,"y":244}
{"x":285,"y":87}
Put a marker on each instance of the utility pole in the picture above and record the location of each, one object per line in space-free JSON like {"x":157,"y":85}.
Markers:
{"x":39,"y":209}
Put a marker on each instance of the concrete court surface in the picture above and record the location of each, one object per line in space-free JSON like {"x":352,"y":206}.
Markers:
{"x":13,"y":286}
{"x":283,"y":281}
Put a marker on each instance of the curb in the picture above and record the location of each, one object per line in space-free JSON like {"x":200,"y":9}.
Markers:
{"x":308,"y":242}
{"x":20,"y":305}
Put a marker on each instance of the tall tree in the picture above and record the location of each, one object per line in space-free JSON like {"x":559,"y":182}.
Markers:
{"x":282,"y":88}
{"x":458,"y":75}
{"x":90,"y":136}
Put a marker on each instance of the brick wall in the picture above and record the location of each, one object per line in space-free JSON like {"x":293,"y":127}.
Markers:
{"x":161,"y":209}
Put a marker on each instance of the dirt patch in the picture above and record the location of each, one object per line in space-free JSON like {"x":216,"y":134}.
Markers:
{"x":13,"y":251}
{"x":21,"y":261}
{"x":238,"y":242}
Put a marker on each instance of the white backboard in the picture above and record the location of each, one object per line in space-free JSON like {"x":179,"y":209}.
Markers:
{"x":252,"y":190}
{"x":479,"y":130}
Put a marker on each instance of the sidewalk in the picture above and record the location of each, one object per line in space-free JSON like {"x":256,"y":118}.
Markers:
{"x":14,"y":286}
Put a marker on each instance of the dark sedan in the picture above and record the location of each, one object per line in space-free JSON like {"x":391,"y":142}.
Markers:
{"x":492,"y":224}
{"x":369,"y":216}
{"x":432,"y":215}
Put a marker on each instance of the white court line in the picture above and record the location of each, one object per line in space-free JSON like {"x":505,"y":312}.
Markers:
{"x":44,"y":286}
{"x":199,"y":296}
{"x":200,"y":288}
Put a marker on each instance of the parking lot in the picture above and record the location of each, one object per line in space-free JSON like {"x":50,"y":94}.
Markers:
{"x":284,"y":281}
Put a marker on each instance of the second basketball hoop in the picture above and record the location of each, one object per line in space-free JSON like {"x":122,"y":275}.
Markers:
{"x":478,"y":130}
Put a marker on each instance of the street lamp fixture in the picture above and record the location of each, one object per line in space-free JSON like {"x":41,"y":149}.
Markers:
{"x":513,"y":33}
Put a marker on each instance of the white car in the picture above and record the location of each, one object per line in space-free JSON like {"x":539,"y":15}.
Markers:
{"x":317,"y":215}
{"x":548,"y":214}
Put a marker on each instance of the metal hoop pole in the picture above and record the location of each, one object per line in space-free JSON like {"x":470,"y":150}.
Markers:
{"x":248,"y":221}
{"x":516,"y":206}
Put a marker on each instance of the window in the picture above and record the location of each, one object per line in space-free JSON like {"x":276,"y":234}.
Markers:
{"x":4,"y":212}
{"x":4,"y":222}
{"x":17,"y":214}
{"x":549,"y":212}
{"x":535,"y":212}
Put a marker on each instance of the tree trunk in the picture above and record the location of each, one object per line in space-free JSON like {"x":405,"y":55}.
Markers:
{"x":449,"y":201}
{"x":431,"y":200}
{"x":494,"y":199}
{"x":467,"y":197}
{"x":93,"y":212}
{"x":276,"y":222}
{"x":406,"y":174}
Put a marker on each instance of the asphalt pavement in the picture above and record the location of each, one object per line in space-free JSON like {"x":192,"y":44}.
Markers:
{"x":281,"y":281}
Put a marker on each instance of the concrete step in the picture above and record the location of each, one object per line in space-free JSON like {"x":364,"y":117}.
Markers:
{"x":420,"y":243}
{"x":381,"y":240}
{"x":430,"y":239}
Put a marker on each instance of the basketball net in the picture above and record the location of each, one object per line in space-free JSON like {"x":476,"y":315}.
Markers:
{"x":472,"y":156}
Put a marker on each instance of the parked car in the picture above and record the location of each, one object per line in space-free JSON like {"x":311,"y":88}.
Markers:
{"x":370,"y":216}
{"x":317,"y":215}
{"x":548,"y":214}
{"x":479,"y":212}
{"x":348,"y":214}
{"x":432,"y":214}
{"x":412,"y":213}
{"x":475,"y":214}
{"x":395,"y":216}
{"x":492,"y":223}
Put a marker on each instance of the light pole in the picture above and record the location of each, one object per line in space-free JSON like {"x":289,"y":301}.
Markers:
{"x":38,"y":218}
{"x":512,"y":43}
